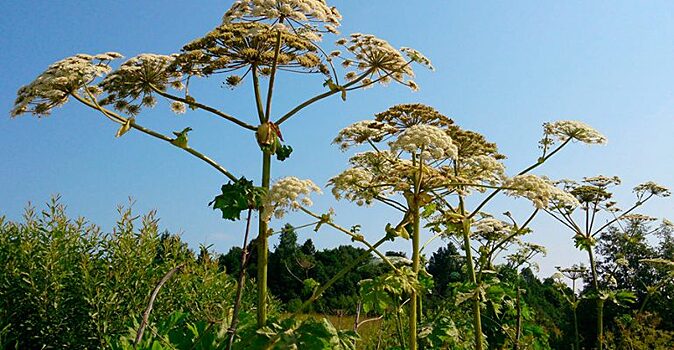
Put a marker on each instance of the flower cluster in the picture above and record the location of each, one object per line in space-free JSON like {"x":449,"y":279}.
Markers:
{"x":363,"y":131}
{"x":571,"y":129}
{"x":482,"y":169}
{"x":404,"y":116}
{"x":354,"y":184}
{"x":491,"y":229}
{"x":540,"y":191}
{"x":602,"y":181}
{"x":230,"y":47}
{"x":378,"y":59}
{"x":417,"y":57}
{"x":288,"y":194}
{"x":302,"y":12}
{"x":52,"y":88}
{"x":426,"y":140}
{"x":637,"y":218}
{"x":130,"y":86}
{"x":379,"y":175}
{"x":651,"y":188}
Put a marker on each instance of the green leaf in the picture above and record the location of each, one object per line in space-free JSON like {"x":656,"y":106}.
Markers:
{"x":237,"y":197}
{"x":283,"y":152}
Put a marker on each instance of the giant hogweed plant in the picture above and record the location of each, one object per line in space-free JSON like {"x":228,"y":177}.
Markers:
{"x":257,"y":40}
{"x":596,"y":213}
{"x":424,"y":166}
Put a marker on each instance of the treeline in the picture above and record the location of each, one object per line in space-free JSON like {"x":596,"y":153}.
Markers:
{"x":66,"y":284}
{"x":547,"y":304}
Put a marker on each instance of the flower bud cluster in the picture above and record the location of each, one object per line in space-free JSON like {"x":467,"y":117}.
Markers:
{"x":571,"y":129}
{"x":52,"y":88}
{"x":361,"y":132}
{"x":540,"y":191}
{"x":651,"y":188}
{"x":381,"y":61}
{"x":130,"y":86}
{"x":304,"y":12}
{"x":482,"y":169}
{"x":428,"y":141}
{"x":288,"y":194}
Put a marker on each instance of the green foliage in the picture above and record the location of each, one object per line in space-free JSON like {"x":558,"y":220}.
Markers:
{"x":66,"y":284}
{"x":639,"y":332}
{"x":293,"y":334}
{"x":236,"y":197}
{"x":283,"y":152}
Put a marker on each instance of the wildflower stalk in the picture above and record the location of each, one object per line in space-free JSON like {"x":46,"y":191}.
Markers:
{"x":203,"y":107}
{"x":110,"y":114}
{"x":239,"y":288}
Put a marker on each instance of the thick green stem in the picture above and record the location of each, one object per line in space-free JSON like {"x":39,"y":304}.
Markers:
{"x":263,"y":248}
{"x":477,"y":318}
{"x":414,"y":298}
{"x":600,"y":302}
{"x":575,"y":315}
{"x":575,"y":328}
{"x":518,"y":327}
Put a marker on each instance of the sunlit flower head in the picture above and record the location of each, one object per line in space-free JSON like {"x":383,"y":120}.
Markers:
{"x":378,"y":60}
{"x":492,"y":229}
{"x":288,"y":194}
{"x":638,"y":218}
{"x":428,"y":141}
{"x":571,"y":129}
{"x":130,"y":84}
{"x":602,"y":181}
{"x":361,"y":132}
{"x":651,"y":188}
{"x":235,"y":46}
{"x":52,"y":88}
{"x":404,"y":116}
{"x":297,"y":14}
{"x":481,"y":169}
{"x":540,"y":191}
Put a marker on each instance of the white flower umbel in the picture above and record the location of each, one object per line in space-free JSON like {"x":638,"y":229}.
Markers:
{"x":383,"y":62}
{"x":651,"y":188}
{"x":482,"y":169}
{"x":361,"y":132}
{"x":571,"y":129}
{"x":52,"y":88}
{"x":288,"y":194}
{"x":304,"y":12}
{"x":434,"y":142}
{"x":540,"y":191}
{"x":490,"y":225}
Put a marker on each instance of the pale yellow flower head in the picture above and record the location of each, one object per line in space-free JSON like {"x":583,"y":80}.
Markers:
{"x":429,"y":141}
{"x":540,"y":191}
{"x":571,"y":129}
{"x":288,"y":194}
{"x":52,"y":88}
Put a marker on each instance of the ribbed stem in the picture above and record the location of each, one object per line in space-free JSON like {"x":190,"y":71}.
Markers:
{"x":477,"y":318}
{"x":414,"y":298}
{"x":263,"y":248}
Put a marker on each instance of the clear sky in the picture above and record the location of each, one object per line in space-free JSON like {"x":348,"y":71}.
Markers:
{"x":502,"y":69}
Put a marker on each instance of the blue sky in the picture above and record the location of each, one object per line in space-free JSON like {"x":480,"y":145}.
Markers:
{"x":502,"y":69}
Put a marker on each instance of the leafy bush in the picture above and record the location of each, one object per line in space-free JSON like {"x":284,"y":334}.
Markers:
{"x":66,"y":284}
